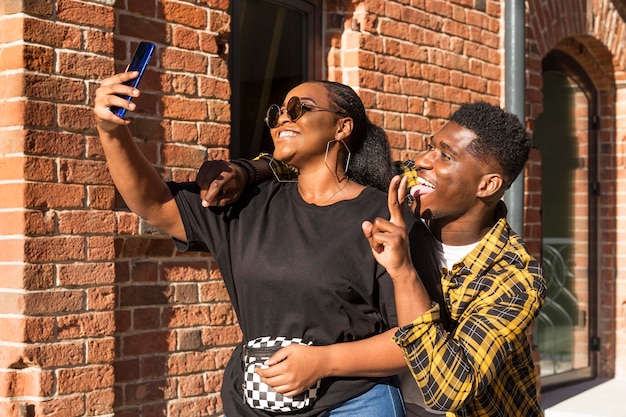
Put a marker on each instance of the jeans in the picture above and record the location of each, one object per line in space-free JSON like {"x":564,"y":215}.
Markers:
{"x":383,"y":400}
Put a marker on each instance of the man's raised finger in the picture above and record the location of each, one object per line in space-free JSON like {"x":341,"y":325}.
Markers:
{"x":395,"y":200}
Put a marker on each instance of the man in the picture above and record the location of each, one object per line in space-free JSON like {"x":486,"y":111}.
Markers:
{"x":466,"y":289}
{"x":464,"y":330}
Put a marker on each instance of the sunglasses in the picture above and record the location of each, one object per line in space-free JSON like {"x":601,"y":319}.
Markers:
{"x":295,"y":108}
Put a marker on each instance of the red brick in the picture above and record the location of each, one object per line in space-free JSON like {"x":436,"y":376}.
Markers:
{"x":29,"y":57}
{"x":147,"y":343}
{"x":187,"y":15}
{"x":19,"y":383}
{"x":84,"y":274}
{"x":85,"y":13}
{"x":146,"y":319}
{"x":189,"y":61}
{"x":176,"y":155}
{"x":185,"y":38}
{"x":222,"y":356}
{"x":214,"y":88}
{"x":86,"y":325}
{"x":100,"y":197}
{"x":84,"y":379}
{"x":76,"y":118}
{"x":66,"y":406}
{"x":145,"y":295}
{"x":12,"y":85}
{"x":12,"y":249}
{"x":80,"y":65}
{"x":214,"y":134}
{"x":101,"y":298}
{"x":98,"y":41}
{"x":218,"y":67}
{"x":190,"y":385}
{"x":150,"y":130}
{"x":219,"y":111}
{"x":50,"y":249}
{"x":189,"y":315}
{"x":184,"y":132}
{"x":184,"y":271}
{"x":100,"y":402}
{"x":83,"y":172}
{"x":213,"y":382}
{"x":154,"y":366}
{"x":137,"y":26}
{"x":50,"y":302}
{"x":184,"y":109}
{"x":188,"y":362}
{"x":54,"y":88}
{"x":12,"y":168}
{"x":11,"y":29}
{"x":51,"y":356}
{"x":52,"y":33}
{"x":48,"y":143}
{"x":100,"y":248}
{"x":219,"y":22}
{"x":127,"y":223}
{"x":39,"y":169}
{"x":221,"y":335}
{"x":25,"y":330}
{"x":54,"y":195}
{"x":208,"y":43}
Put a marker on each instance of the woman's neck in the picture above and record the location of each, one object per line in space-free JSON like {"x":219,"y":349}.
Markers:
{"x":323,"y":188}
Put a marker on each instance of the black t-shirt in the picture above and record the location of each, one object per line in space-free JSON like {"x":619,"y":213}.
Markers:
{"x":294,"y":269}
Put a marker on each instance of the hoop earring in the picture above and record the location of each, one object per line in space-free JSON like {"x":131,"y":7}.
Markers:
{"x":292,"y":175}
{"x":347,"y":160}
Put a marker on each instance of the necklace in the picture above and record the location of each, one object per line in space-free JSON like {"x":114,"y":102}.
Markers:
{"x":335,"y":193}
{"x":332,"y":195}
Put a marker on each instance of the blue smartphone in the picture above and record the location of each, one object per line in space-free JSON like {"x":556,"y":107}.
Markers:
{"x":140,"y":61}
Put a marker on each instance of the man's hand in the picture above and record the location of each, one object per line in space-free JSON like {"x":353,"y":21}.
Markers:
{"x":388,"y":238}
{"x":221,"y":183}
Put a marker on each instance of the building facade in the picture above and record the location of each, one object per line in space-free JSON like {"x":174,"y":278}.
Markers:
{"x":100,"y":316}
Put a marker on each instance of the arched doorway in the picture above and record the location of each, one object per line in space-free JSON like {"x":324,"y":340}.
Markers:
{"x":566,"y":135}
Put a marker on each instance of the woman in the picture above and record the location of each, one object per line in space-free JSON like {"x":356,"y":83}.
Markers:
{"x":292,"y":255}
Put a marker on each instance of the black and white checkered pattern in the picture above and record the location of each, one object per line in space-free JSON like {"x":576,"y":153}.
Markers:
{"x":260,"y":395}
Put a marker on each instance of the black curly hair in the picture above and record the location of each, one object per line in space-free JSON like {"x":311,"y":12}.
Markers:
{"x":500,"y":137}
{"x":370,"y":160}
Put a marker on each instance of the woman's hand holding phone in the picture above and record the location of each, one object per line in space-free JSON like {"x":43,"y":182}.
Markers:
{"x":112,"y":93}
{"x":113,"y":97}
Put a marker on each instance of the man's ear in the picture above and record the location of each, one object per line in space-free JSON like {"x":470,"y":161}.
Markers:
{"x":344,"y":128}
{"x":490,"y":185}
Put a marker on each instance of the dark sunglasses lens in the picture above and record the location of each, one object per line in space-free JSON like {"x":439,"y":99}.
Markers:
{"x":272,"y":115}
{"x":294,"y":108}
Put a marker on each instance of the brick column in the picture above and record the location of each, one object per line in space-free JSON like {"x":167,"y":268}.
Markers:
{"x":56,"y":256}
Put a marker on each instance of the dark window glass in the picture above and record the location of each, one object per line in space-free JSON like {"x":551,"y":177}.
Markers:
{"x":274,"y":48}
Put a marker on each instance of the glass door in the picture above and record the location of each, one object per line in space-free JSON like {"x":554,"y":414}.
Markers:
{"x":565,"y":136}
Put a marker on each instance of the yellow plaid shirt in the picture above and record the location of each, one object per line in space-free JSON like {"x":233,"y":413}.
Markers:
{"x":483,"y":365}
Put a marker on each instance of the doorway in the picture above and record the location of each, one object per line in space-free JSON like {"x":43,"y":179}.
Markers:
{"x":566,"y":135}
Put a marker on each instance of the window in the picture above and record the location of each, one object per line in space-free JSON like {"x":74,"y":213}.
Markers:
{"x":275,"y":46}
{"x":566,"y":135}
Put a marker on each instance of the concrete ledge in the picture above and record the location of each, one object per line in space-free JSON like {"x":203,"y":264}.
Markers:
{"x":607,"y":399}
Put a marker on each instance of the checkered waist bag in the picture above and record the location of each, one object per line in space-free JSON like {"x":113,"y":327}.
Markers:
{"x":260,"y":395}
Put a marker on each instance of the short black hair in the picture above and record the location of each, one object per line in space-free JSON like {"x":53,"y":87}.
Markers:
{"x":500,"y":137}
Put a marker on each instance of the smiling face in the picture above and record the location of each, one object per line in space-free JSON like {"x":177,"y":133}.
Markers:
{"x":451,"y":180}
{"x":304,"y":140}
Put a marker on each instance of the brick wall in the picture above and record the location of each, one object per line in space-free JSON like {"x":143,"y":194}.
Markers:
{"x":98,"y":313}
